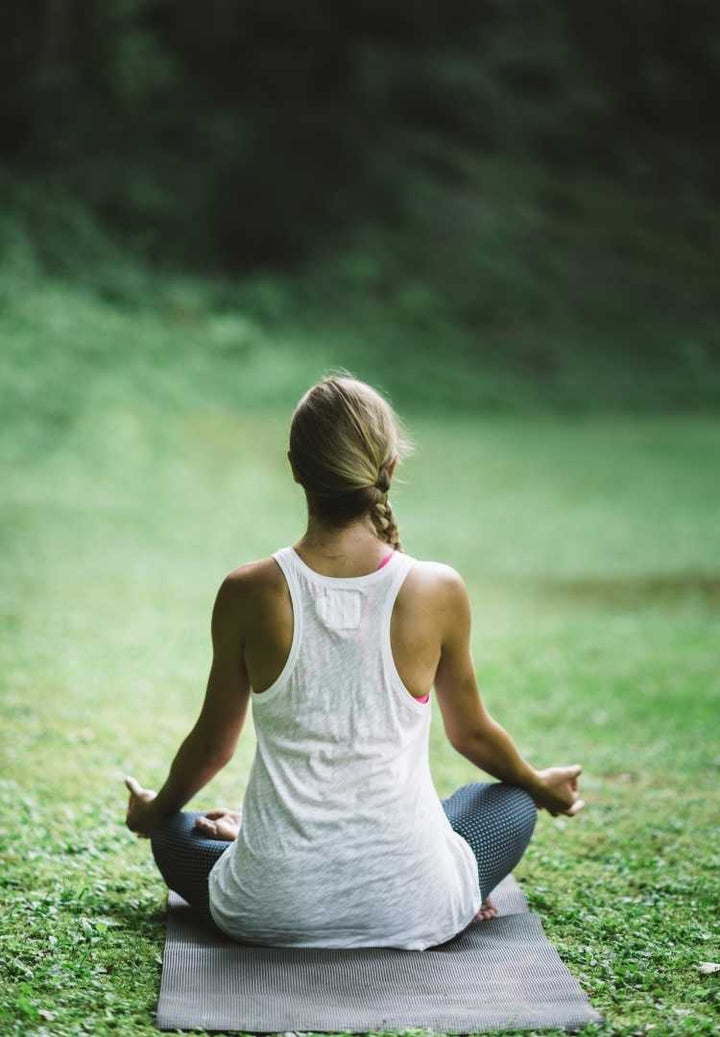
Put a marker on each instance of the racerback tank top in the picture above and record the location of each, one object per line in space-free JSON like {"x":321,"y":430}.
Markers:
{"x":341,"y":822}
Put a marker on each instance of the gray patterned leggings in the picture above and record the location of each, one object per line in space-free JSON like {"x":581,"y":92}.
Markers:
{"x":495,"y":818}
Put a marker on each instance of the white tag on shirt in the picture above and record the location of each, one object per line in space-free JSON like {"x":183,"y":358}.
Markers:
{"x":339,"y":608}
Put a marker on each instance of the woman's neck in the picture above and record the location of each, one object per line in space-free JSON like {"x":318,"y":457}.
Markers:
{"x":352,"y":550}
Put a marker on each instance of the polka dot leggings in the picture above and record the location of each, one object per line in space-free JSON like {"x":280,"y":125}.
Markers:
{"x":184,"y":857}
{"x":495,"y":818}
{"x":498,"y":821}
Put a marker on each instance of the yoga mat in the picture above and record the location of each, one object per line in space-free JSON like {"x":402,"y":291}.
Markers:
{"x":501,"y":974}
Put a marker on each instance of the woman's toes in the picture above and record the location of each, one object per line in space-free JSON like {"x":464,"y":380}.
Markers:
{"x":487,"y":910}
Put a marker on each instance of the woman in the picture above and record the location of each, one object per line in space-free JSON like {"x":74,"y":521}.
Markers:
{"x":337,"y":641}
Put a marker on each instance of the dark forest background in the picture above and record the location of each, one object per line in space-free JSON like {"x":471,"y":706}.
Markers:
{"x":528,"y":188}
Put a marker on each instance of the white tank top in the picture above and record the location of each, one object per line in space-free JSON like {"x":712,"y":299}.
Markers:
{"x":343,"y":841}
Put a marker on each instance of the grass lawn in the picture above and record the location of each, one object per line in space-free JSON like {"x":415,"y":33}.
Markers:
{"x":591,"y":547}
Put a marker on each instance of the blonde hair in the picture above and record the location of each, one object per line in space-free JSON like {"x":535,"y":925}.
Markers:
{"x":343,"y":436}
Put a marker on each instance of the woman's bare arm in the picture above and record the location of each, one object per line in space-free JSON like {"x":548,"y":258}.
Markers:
{"x":470,"y":728}
{"x":211,"y":743}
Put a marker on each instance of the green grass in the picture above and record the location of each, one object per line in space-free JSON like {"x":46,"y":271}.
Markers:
{"x":146,"y":458}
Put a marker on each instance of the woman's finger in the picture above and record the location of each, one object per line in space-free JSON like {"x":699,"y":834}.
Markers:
{"x":137,"y":789}
{"x":146,"y":795}
{"x":219,"y":812}
{"x":577,"y":805}
{"x":227,"y":830}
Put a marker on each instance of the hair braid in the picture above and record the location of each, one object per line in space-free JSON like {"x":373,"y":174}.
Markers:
{"x":381,"y":512}
{"x":344,"y":436}
{"x":384,"y":521}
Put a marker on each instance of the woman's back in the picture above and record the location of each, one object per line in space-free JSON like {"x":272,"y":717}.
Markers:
{"x":415,"y":630}
{"x":342,"y":825}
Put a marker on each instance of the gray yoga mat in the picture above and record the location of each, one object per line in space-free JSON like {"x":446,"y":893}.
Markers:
{"x":500,"y":974}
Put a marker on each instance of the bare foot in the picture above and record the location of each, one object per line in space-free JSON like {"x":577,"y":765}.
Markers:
{"x":220,"y":824}
{"x":487,"y":910}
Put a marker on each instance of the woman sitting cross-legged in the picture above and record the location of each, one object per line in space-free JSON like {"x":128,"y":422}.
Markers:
{"x":337,"y":641}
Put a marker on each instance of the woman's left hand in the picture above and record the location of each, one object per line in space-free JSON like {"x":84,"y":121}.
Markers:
{"x":221,"y":824}
{"x":142,"y":814}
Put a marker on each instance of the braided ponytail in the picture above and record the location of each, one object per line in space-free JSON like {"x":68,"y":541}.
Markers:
{"x":344,"y":436}
{"x":382,"y":514}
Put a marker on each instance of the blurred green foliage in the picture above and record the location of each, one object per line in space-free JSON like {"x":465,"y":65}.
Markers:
{"x":520,"y":197}
{"x":246,"y":133}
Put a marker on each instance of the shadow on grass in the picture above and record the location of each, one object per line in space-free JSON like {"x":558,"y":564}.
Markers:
{"x":650,"y":589}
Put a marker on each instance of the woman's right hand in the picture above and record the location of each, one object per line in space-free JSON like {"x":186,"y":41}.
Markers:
{"x":557,"y":790}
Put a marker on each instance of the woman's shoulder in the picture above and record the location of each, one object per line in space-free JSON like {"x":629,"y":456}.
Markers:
{"x":243,"y":586}
{"x":253,"y":572}
{"x":437,"y":578}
